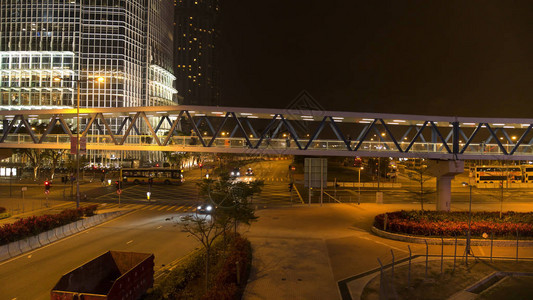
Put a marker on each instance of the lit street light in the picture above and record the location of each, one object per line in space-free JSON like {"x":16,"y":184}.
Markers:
{"x":99,"y":80}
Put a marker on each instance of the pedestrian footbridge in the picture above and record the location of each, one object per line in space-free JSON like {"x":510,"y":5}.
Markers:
{"x":270,"y":131}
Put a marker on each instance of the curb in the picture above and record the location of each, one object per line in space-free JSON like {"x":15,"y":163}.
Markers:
{"x":44,"y":238}
{"x":448,"y":241}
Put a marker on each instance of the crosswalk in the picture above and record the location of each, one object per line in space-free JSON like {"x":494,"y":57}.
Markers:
{"x":163,"y":207}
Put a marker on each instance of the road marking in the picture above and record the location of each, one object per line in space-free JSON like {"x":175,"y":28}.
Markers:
{"x":159,"y":226}
{"x":170,"y":208}
{"x":178,"y":209}
{"x":164,"y":207}
{"x":481,"y":250}
{"x":129,"y":242}
{"x":153,"y":207}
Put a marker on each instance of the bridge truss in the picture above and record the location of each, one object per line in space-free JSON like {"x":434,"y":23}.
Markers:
{"x":271,"y":131}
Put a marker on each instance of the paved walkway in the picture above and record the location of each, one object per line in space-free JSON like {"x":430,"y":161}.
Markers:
{"x":304,"y":252}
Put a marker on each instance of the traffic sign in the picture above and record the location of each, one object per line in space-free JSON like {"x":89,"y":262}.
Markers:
{"x":119,"y":191}
{"x":47,"y":192}
{"x":24,"y":188}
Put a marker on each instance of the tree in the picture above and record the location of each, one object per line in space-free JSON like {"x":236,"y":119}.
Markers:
{"x":420,"y":175}
{"x":54,"y":156}
{"x":206,"y":229}
{"x":176,"y":158}
{"x":34,"y":157}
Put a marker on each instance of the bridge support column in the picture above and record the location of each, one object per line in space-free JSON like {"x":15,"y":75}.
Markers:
{"x":445,"y":171}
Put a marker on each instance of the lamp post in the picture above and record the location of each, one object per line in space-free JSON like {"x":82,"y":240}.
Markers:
{"x":100,"y":80}
{"x":359,"y":186}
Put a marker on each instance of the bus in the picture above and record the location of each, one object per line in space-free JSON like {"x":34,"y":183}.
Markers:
{"x":494,"y":174}
{"x":528,"y":173}
{"x":158,"y":175}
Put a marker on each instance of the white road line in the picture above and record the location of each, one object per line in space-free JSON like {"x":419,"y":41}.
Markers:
{"x":129,"y":242}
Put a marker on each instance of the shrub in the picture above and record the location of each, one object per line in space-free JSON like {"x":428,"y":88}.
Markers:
{"x":37,"y":224}
{"x":450,"y":224}
{"x":183,"y":281}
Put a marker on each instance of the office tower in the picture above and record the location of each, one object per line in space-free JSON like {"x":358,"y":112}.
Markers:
{"x":195,"y":59}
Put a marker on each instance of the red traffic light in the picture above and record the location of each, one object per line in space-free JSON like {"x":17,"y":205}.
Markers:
{"x":47,"y":185}
{"x":157,"y":165}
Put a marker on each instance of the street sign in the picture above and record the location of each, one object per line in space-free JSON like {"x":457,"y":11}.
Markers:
{"x":315,"y":171}
{"x":119,"y":191}
{"x":24,"y":188}
{"x":73,"y":145}
{"x":83,"y":145}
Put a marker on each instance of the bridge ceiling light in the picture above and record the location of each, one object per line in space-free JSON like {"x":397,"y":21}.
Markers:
{"x":371,"y":120}
{"x":400,"y":121}
{"x":249,"y":114}
{"x":337,"y":118}
{"x":469,"y":124}
{"x":393,"y":123}
{"x":107,"y":114}
{"x":419,"y":124}
{"x":33,"y":116}
{"x":365,"y":122}
{"x":161,"y":112}
{"x":508,"y":126}
{"x":306,"y":116}
{"x":252,"y":117}
{"x":218,"y":113}
{"x":497,"y":124}
{"x":132,"y":112}
{"x":192,"y":111}
{"x":199,"y":115}
{"x":524,"y":125}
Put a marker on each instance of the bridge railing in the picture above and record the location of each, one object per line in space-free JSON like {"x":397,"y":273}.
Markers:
{"x":318,"y":145}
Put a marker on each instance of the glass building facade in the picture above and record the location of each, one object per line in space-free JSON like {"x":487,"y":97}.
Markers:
{"x":47,"y":47}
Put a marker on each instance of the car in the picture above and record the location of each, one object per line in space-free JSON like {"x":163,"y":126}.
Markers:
{"x":249,"y":172}
{"x":235,"y":172}
{"x":205,"y":208}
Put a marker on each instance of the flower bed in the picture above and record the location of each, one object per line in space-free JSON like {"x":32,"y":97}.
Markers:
{"x":449,"y":224}
{"x":34,"y":225}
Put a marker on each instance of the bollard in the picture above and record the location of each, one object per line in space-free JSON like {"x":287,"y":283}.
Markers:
{"x":385,"y":222}
{"x":392,"y":268}
{"x":409,"y":269}
{"x":441,"y":253}
{"x":491,"y":242}
{"x":238,"y":272}
{"x":427,"y":253}
{"x":517,"y":245}
{"x":455,"y":254}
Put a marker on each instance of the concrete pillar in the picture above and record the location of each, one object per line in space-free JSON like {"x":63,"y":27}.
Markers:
{"x":445,"y":171}
{"x":444,"y":192}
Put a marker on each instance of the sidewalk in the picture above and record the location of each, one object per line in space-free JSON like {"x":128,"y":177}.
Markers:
{"x":305,"y":252}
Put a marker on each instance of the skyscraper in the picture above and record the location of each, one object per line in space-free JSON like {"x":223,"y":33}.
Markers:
{"x":48,"y":46}
{"x":195,"y":59}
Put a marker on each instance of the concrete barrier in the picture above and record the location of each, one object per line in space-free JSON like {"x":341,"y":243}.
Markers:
{"x":14,"y":248}
{"x":4,"y":252}
{"x":51,"y":236}
{"x":33,"y":241}
{"x":24,"y":245}
{"x":59,"y":232}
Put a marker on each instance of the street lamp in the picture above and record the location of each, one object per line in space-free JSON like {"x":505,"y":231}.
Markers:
{"x":100,"y":80}
{"x":359,"y":186}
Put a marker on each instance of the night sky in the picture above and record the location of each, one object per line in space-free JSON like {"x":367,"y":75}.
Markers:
{"x":464,"y":58}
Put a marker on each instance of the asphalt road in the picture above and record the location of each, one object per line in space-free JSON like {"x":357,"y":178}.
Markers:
{"x":32,"y":275}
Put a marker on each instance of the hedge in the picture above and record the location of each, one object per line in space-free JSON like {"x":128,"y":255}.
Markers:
{"x":187,"y":280}
{"x":34,"y":225}
{"x":449,"y":224}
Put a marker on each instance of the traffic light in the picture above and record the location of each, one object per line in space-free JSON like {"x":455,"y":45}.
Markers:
{"x":291,"y":185}
{"x":118,"y":185}
{"x":47,"y":185}
{"x":200,"y":165}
